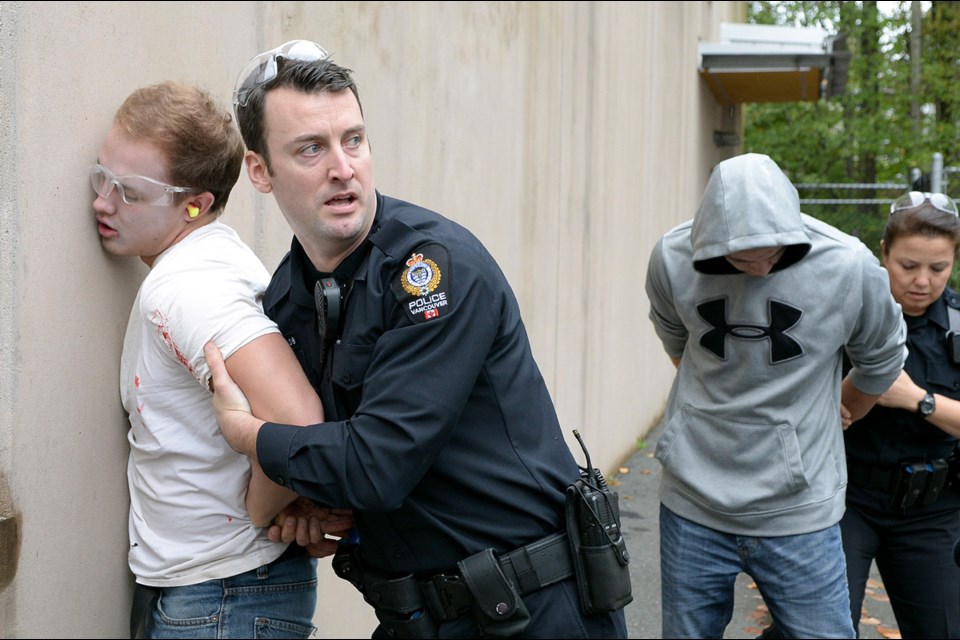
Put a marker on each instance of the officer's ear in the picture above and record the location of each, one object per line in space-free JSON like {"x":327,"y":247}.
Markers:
{"x":258,"y":172}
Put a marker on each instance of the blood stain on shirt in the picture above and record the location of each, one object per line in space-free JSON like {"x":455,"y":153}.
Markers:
{"x":163,"y":331}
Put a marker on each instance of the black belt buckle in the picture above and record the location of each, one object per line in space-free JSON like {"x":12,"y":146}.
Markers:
{"x":447,"y":596}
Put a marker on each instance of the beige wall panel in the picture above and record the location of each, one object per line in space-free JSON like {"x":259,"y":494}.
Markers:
{"x":568,"y":136}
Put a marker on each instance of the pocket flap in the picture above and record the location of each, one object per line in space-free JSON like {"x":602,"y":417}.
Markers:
{"x":494,"y":594}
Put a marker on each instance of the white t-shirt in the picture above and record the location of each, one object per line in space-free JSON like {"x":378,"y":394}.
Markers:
{"x":188,"y":520}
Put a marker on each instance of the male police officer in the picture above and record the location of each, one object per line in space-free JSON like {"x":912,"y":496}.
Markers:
{"x":441,"y":433}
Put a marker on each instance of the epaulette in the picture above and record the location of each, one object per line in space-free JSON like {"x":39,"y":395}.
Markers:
{"x":395,"y":238}
{"x":952,"y":298}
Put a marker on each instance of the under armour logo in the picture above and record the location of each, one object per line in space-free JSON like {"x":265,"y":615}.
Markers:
{"x":782,"y":316}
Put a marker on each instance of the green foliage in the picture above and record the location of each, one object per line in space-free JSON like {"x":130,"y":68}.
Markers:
{"x":879,"y":130}
{"x":941,"y":55}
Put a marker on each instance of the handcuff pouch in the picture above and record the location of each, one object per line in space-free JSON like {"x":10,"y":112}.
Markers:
{"x":498,"y":607}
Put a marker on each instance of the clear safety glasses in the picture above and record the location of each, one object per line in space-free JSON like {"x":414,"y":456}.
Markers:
{"x":263,"y":68}
{"x":135,"y":189}
{"x":916,"y":198}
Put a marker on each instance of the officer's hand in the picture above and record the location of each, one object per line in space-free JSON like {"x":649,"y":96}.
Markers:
{"x":239,"y":427}
{"x":309,"y":525}
{"x":845,"y":417}
{"x":306,"y":523}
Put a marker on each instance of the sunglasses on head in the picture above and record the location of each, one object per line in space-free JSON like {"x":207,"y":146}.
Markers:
{"x":262,"y":68}
{"x":913,"y":199}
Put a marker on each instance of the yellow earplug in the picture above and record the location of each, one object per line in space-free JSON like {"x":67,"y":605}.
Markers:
{"x":193,"y":211}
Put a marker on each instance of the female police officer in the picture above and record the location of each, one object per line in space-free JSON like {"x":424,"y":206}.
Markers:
{"x":900,"y":510}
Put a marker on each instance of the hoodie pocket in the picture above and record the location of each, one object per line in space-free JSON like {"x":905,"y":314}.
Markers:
{"x":732,"y":467}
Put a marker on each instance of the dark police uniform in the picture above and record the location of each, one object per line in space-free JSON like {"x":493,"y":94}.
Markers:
{"x":913,"y":545}
{"x":441,"y":433}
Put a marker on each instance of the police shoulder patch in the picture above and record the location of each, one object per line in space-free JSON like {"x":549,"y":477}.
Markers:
{"x":423,"y":286}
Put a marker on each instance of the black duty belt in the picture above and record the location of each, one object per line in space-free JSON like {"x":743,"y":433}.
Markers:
{"x":871,"y":476}
{"x":529,"y":568}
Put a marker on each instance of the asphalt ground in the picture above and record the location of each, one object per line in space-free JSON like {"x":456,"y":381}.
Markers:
{"x":637,"y":483}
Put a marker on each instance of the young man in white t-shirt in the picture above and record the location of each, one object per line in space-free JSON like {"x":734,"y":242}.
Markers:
{"x":203,"y":562}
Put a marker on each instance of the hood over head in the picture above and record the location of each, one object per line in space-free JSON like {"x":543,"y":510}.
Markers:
{"x":749,"y":203}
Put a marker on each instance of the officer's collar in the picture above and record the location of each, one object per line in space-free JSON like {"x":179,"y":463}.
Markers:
{"x":304,"y":276}
{"x":937,"y":313}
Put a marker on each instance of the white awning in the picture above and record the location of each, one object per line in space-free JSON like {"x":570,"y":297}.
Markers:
{"x":766,"y":63}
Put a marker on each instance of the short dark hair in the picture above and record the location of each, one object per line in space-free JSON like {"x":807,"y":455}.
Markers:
{"x":923,"y":220}
{"x":202,"y":147}
{"x":307,"y":76}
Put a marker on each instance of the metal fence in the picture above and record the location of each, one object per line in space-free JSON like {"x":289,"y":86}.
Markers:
{"x":935,"y":182}
{"x":865,"y":217}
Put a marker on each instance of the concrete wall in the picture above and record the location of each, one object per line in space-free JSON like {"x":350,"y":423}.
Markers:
{"x":568,"y":135}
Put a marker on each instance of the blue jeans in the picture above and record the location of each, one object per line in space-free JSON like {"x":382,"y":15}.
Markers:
{"x":802,"y":578}
{"x":276,"y":600}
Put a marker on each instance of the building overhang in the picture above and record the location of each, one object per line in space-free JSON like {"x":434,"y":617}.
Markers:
{"x":766,"y":63}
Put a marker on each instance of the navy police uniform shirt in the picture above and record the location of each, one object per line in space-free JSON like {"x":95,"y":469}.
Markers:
{"x":441,"y":434}
{"x":886,"y":436}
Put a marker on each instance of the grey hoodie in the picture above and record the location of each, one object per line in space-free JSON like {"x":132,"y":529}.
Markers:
{"x":752,"y":441}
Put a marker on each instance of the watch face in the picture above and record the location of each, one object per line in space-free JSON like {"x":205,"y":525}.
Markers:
{"x":927,"y":405}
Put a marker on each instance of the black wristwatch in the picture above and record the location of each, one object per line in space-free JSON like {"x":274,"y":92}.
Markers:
{"x":927,"y":406}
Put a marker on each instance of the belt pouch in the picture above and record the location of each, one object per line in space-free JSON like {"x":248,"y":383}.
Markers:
{"x":400,"y":606}
{"x":600,"y":557}
{"x":937,"y":481}
{"x":398,"y":603}
{"x":911,"y":483}
{"x":498,"y":608}
{"x":348,"y":565}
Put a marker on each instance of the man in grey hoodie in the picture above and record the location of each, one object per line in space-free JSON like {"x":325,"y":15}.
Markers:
{"x":755,"y":303}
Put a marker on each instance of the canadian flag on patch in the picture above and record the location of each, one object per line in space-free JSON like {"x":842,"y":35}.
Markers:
{"x":430,"y":313}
